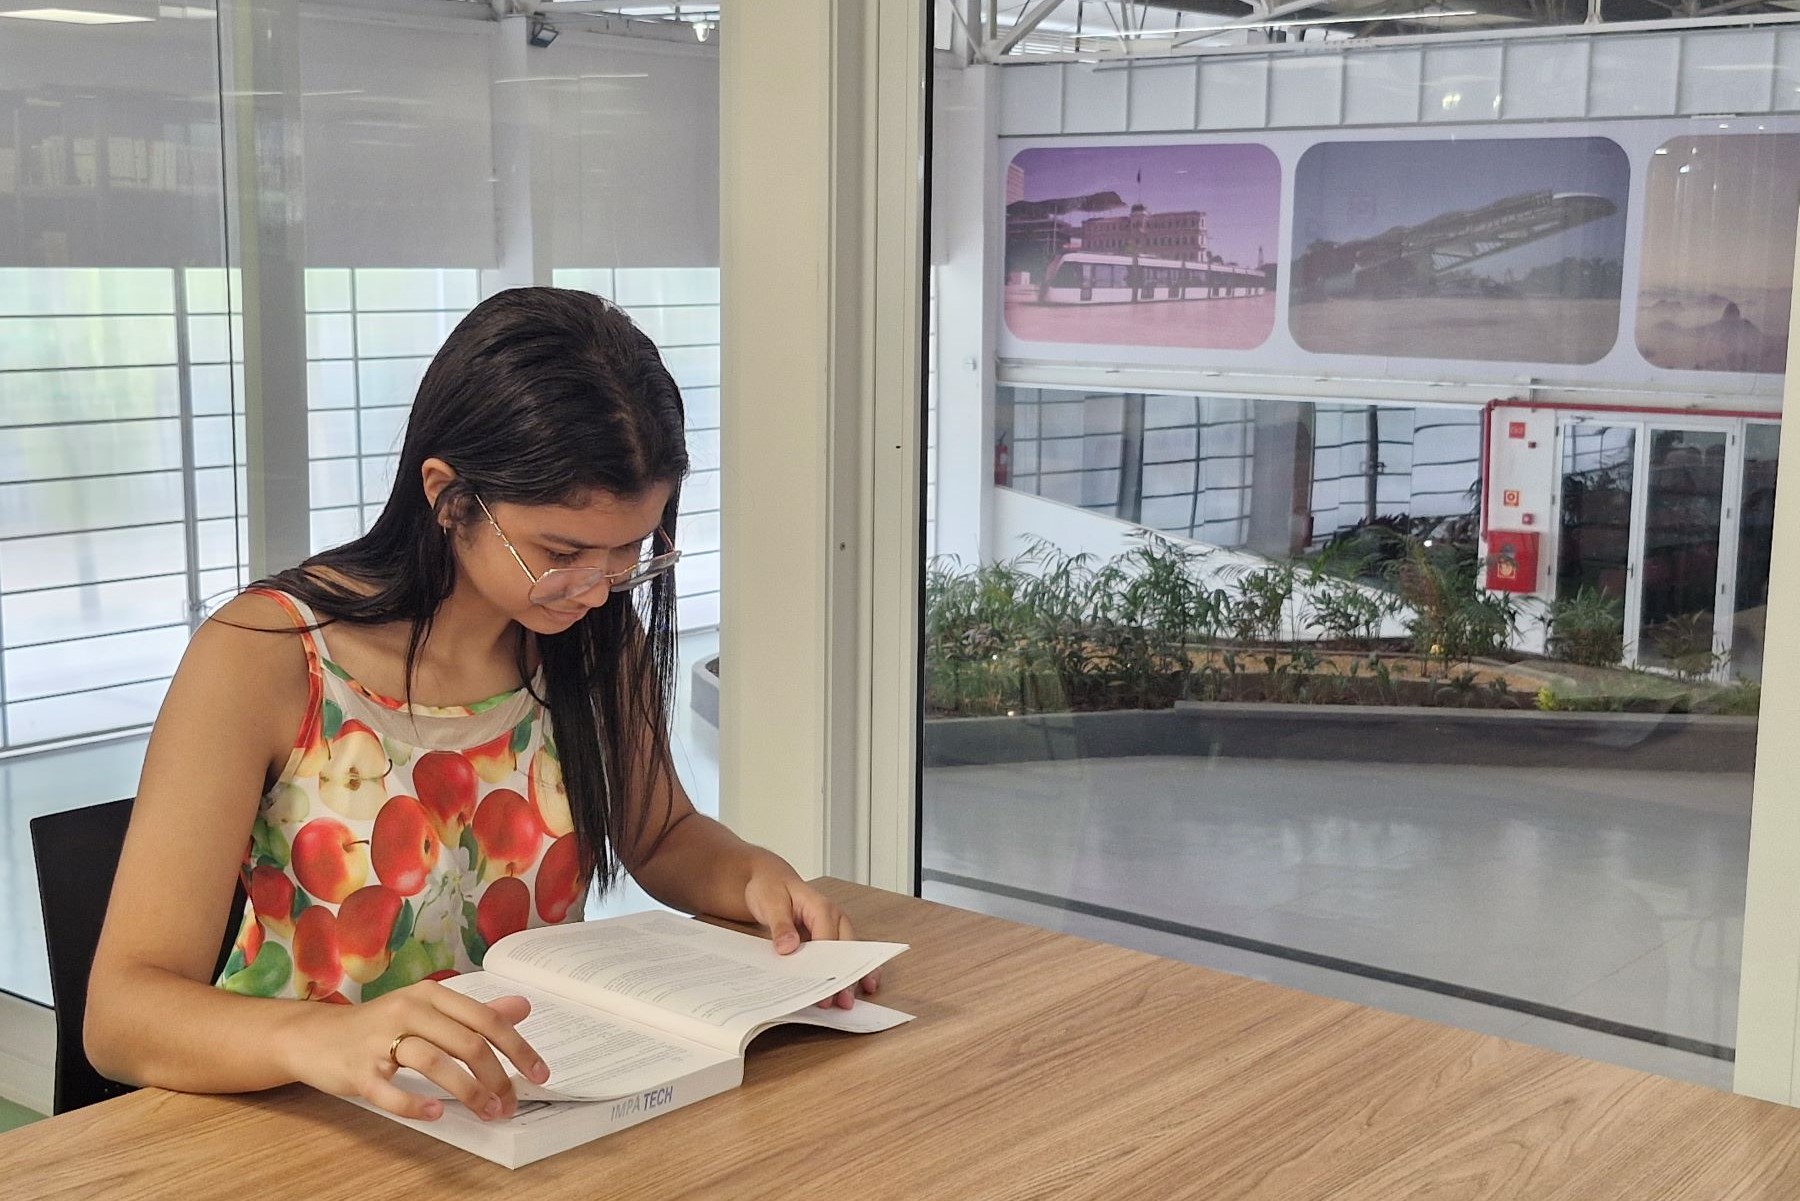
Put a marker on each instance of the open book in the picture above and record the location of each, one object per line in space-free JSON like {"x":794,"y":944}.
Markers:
{"x":637,"y":1016}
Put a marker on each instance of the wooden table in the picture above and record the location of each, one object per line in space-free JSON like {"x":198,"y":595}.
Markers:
{"x":1040,"y":1066}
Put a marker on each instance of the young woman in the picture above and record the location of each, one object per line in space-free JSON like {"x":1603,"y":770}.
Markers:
{"x":438,"y":734}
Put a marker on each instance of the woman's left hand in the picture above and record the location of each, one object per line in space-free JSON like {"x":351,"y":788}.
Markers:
{"x":787,"y":906}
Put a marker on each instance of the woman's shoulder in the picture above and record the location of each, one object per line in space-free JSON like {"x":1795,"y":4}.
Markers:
{"x":255,"y":635}
{"x":262,"y":610}
{"x":245,"y":677}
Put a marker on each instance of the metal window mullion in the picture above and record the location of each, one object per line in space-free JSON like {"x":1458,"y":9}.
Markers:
{"x":5,"y":732}
{"x":356,"y":403}
{"x":71,"y":741}
{"x":97,"y":529}
{"x":125,"y":579}
{"x":134,"y":473}
{"x":10,"y":427}
{"x":1200,"y":425}
{"x":57,"y":696}
{"x":149,"y":629}
{"x":190,"y":493}
{"x":76,"y":316}
{"x":88,"y":367}
{"x":1731,"y":540}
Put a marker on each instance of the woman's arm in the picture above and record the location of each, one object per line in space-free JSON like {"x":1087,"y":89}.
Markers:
{"x":152,"y":1015}
{"x":701,"y":866}
{"x":690,"y":862}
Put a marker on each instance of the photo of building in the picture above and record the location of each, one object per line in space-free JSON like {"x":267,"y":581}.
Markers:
{"x":1143,"y":245}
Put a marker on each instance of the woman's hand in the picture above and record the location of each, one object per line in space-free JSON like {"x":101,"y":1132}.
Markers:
{"x":451,"y":1042}
{"x":785,"y":904}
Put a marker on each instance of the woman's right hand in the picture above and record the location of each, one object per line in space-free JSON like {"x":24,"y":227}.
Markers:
{"x":451,"y":1042}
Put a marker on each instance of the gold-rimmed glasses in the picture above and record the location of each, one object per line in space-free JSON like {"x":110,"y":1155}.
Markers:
{"x":565,"y":583}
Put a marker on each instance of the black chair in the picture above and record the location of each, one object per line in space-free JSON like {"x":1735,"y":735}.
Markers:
{"x":77,"y":854}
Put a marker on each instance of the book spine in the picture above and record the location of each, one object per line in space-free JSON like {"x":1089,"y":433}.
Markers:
{"x":710,"y":1082}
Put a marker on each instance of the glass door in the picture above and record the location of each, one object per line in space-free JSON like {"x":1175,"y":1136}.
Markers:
{"x":1749,"y":609}
{"x":1596,"y":515}
{"x":1678,"y":588}
{"x":1666,"y":531}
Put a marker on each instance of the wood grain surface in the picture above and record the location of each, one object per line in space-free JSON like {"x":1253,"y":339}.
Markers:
{"x":1040,"y":1066}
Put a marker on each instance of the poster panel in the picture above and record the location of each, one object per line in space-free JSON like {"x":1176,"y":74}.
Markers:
{"x":1143,"y":245}
{"x":1716,"y":286}
{"x":1509,"y":250}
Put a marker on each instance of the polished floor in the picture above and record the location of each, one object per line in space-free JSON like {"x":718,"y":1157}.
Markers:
{"x":1599,"y":913}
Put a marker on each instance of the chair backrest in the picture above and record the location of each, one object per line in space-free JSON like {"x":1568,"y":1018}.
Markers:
{"x":77,"y":855}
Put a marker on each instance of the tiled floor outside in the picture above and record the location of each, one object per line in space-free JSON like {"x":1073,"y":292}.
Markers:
{"x":1612,"y":896}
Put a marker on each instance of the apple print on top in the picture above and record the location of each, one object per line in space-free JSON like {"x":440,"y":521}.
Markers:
{"x":400,"y":843}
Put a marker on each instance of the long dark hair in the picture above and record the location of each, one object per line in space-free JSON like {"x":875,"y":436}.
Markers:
{"x":540,"y":396}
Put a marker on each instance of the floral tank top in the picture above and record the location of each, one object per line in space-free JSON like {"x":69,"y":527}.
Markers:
{"x":400,"y":842}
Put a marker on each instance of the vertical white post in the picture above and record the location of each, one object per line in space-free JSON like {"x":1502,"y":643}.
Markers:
{"x":899,"y":58}
{"x":261,"y":70}
{"x":784,"y":693}
{"x":969,"y":260}
{"x":522,"y":188}
{"x":821,"y":274}
{"x":1769,"y":987}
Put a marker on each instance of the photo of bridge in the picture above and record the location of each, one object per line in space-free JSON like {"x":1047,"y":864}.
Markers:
{"x":1497,"y":249}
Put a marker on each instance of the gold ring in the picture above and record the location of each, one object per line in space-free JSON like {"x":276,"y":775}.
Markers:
{"x":394,"y":1048}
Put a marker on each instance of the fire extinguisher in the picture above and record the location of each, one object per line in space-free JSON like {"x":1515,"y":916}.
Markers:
{"x":1002,"y":462}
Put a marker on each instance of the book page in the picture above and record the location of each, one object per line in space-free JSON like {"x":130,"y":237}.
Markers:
{"x":865,"y":1017}
{"x":591,"y":1055}
{"x":703,"y":983}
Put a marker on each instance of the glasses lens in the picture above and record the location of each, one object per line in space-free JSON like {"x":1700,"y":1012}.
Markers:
{"x":553,"y":587}
{"x":646,"y":571}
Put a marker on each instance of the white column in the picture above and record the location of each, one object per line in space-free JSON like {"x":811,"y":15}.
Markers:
{"x":821,"y":277}
{"x":966,"y":232}
{"x":1769,"y":988}
{"x":261,"y":70}
{"x":522,"y":184}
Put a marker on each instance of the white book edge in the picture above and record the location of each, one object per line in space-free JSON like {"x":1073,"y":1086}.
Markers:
{"x":541,"y":1129}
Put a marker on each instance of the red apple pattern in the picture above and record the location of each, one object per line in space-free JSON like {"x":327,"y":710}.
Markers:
{"x":375,"y":862}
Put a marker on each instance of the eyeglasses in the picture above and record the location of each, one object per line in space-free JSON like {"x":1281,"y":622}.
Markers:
{"x":565,"y":583}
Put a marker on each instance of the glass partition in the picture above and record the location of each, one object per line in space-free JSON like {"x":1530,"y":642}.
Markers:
{"x":1363,"y":556}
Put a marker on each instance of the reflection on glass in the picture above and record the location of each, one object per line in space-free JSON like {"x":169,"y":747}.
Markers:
{"x":1280,"y":478}
{"x":1595,"y":560}
{"x":1681,"y":550}
{"x":1756,"y":539}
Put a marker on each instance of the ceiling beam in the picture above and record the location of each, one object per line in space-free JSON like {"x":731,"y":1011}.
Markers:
{"x":1730,"y":6}
{"x":1254,"y":18}
{"x":1000,"y":46}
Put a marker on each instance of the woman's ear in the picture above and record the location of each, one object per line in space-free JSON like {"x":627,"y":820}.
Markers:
{"x":436,"y":475}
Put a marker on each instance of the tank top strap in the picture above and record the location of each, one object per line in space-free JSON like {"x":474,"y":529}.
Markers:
{"x":306,"y":622}
{"x":312,"y":641}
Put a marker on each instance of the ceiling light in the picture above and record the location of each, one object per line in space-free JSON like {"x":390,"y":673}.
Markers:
{"x":73,"y":16}
{"x":703,"y":30}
